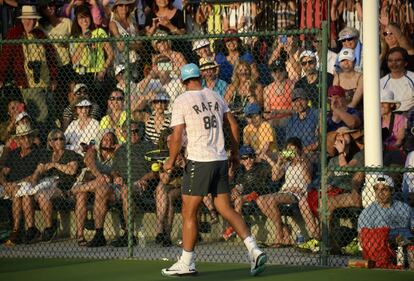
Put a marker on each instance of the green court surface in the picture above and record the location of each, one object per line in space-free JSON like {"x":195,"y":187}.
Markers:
{"x":123,"y":270}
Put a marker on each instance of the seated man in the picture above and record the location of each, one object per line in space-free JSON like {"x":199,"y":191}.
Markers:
{"x":341,"y":114}
{"x":140,"y":176}
{"x":252,"y":179}
{"x":15,"y":177}
{"x":258,"y":133}
{"x":95,"y":178}
{"x":383,"y":221}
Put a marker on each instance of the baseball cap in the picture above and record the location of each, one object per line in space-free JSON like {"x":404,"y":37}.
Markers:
{"x":246,"y":150}
{"x":346,"y":54}
{"x":83,"y":103}
{"x":347,"y":33}
{"x":384,"y":179}
{"x":161,"y":96}
{"x":230,"y":31}
{"x":336,"y":91}
{"x":307,"y":53}
{"x":252,"y":108}
{"x":197,"y":44}
{"x":79,"y":86}
{"x":189,"y":71}
{"x":299,"y":93}
{"x":119,"y":68}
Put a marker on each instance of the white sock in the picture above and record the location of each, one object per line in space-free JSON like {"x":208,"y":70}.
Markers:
{"x":187,"y":257}
{"x":250,"y":243}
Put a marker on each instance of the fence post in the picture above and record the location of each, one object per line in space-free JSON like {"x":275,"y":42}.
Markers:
{"x":323,"y":210}
{"x":128,"y":143}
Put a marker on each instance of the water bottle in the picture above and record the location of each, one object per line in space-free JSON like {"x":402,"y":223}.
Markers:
{"x":141,"y":237}
{"x":299,"y":238}
{"x":400,"y":256}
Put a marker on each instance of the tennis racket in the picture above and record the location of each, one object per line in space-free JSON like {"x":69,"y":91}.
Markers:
{"x":157,"y":155}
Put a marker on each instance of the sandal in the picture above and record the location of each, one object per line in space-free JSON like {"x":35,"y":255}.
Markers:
{"x":81,"y":241}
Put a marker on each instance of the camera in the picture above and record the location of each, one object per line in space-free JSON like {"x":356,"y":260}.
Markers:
{"x":35,"y":66}
{"x":287,"y":153}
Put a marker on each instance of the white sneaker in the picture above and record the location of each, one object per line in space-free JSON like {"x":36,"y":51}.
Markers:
{"x":179,"y":269}
{"x":258,"y":260}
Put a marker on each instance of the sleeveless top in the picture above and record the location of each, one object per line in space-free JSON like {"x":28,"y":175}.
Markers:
{"x":349,"y":93}
{"x":150,"y":133}
{"x":130,"y":31}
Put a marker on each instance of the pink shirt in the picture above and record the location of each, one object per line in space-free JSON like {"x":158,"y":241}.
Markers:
{"x":400,"y":122}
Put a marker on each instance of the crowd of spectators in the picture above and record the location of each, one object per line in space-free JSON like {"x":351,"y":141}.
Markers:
{"x":66,"y":104}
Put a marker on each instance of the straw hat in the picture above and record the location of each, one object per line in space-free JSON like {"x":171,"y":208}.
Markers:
{"x":122,"y":2}
{"x":23,"y":130}
{"x":207,"y":63}
{"x":388,"y":97}
{"x":29,"y":12}
{"x":83,"y":103}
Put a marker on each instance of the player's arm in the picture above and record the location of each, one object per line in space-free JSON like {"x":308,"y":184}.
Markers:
{"x":175,"y":146}
{"x":230,"y":121}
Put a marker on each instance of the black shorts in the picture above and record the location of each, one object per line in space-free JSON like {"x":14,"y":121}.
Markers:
{"x":202,"y":178}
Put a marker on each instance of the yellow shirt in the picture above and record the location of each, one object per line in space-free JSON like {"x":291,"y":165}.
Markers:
{"x":106,"y":123}
{"x":92,"y":59}
{"x":257,"y":138}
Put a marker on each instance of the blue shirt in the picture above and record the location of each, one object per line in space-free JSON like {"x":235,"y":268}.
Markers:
{"x":397,"y":216}
{"x":306,"y":129}
{"x":220,"y":87}
{"x":332,"y":126}
{"x":226,"y":68}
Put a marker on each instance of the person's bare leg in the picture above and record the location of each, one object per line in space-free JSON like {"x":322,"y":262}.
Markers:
{"x":189,"y":213}
{"x":173,"y":195}
{"x":344,"y":200}
{"x":28,"y":210}
{"x":310,"y":221}
{"x":162,"y":206}
{"x":100,"y":206}
{"x":80,"y":212}
{"x":17,"y":212}
{"x":46,"y":207}
{"x":225,"y":209}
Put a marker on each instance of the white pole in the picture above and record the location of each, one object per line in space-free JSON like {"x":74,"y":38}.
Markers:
{"x":372,"y":117}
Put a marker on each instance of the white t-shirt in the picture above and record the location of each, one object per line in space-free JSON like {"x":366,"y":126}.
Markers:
{"x":403,"y":89}
{"x":75,"y":135}
{"x":202,"y":113}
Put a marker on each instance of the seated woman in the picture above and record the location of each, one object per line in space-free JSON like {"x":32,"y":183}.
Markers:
{"x":158,"y":122}
{"x":297,"y":172}
{"x":53,"y":177}
{"x":164,"y":16}
{"x":82,"y":131}
{"x":244,"y":88}
{"x":349,"y":79}
{"x":116,"y":114}
{"x":164,"y":48}
{"x":95,"y":178}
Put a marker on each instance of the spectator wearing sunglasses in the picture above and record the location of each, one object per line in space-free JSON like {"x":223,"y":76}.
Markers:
{"x":349,"y":37}
{"x":116,"y":115}
{"x":80,"y":91}
{"x":158,"y":122}
{"x":140,"y":177}
{"x":310,"y":80}
{"x":95,"y":178}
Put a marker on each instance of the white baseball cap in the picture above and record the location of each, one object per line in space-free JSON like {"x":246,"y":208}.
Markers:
{"x":346,"y":54}
{"x":384,"y":179}
{"x":79,"y":86}
{"x":119,"y":68}
{"x":197,"y":44}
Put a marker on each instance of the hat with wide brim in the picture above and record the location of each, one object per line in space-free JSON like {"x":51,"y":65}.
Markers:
{"x":83,"y":103}
{"x":24,"y":130}
{"x":197,"y":44}
{"x":207,"y":63}
{"x":388,"y":97}
{"x":29,"y":12}
{"x":159,"y":33}
{"x":20,"y":116}
{"x":123,"y":2}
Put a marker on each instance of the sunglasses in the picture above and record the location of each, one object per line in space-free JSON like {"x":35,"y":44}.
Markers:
{"x":120,"y":98}
{"x":246,"y":157}
{"x":134,"y":131}
{"x":58,"y":138}
{"x":308,"y":62}
{"x":81,"y":92}
{"x":386,"y":33}
{"x":348,"y":39}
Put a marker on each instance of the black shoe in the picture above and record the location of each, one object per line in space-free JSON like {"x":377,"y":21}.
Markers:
{"x":48,"y":234}
{"x":167,"y":241}
{"x":32,"y":235}
{"x":15,"y":238}
{"x":159,"y":238}
{"x":97,"y":241}
{"x":122,"y":241}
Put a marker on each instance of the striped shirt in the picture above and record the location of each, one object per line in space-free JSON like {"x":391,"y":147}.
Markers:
{"x":150,"y":132}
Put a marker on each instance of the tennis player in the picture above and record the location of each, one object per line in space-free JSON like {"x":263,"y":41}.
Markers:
{"x":200,"y":113}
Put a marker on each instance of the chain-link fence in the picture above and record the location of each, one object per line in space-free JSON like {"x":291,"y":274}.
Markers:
{"x":85,"y":134}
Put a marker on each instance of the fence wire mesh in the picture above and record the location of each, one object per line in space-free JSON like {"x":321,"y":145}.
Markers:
{"x":85,"y":129}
